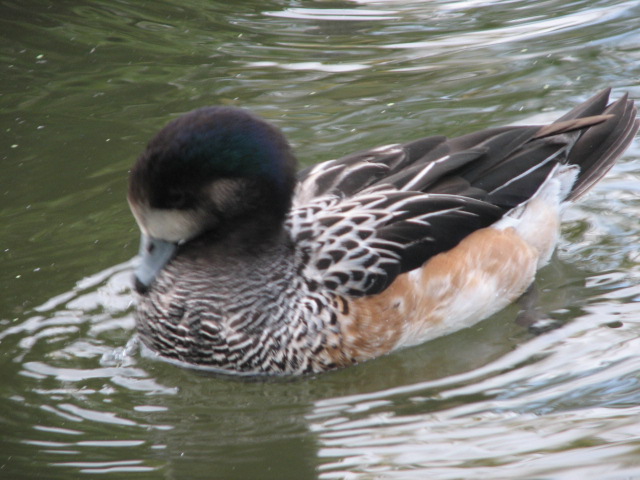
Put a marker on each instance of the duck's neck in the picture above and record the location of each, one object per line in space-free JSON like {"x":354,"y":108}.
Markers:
{"x":220,"y":282}
{"x":240,"y":263}
{"x":251,"y":239}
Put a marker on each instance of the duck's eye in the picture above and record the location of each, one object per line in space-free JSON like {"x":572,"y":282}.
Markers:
{"x":178,"y":200}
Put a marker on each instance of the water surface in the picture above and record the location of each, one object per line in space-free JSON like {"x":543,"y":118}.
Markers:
{"x":84,"y":85}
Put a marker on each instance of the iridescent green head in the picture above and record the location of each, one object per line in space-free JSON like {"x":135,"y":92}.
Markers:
{"x":211,"y":171}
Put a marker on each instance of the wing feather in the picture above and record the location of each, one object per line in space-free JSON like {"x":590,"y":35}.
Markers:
{"x":359,"y":221}
{"x":358,"y":246}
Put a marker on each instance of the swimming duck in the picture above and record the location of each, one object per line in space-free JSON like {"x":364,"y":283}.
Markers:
{"x":249,"y":268}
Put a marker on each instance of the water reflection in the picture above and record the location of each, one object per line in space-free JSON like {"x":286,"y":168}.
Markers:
{"x":526,"y":412}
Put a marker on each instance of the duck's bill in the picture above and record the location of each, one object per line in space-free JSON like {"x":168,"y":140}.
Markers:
{"x":154,"y":255}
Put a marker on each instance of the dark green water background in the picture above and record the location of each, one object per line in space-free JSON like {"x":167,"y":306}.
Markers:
{"x":83,"y":86}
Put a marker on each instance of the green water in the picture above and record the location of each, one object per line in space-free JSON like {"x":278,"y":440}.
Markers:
{"x":84,"y":85}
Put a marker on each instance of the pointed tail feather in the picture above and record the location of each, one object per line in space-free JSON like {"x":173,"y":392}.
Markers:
{"x":612,"y":128}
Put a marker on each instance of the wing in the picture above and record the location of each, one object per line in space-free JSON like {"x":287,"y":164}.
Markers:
{"x":503,"y":165}
{"x":361,"y":220}
{"x":358,"y":246}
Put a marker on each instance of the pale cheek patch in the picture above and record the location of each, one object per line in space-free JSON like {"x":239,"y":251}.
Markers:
{"x":173,"y":226}
{"x":227,"y":193}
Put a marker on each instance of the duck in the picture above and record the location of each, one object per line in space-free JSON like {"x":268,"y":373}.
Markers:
{"x":249,"y":267}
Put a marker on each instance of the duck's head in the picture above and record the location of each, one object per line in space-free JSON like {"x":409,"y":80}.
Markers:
{"x":212,"y":172}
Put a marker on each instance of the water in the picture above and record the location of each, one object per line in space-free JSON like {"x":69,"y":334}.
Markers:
{"x":85,"y":84}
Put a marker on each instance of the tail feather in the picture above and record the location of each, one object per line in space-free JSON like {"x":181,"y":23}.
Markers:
{"x":517,"y":160}
{"x":594,"y":106}
{"x":601,"y":144}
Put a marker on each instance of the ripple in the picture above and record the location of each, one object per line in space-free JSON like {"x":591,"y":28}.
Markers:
{"x":317,"y":66}
{"x":336,"y":14}
{"x":123,"y":466}
{"x":530,"y":412}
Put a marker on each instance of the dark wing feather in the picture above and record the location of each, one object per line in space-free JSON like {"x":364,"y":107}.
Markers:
{"x":358,"y":246}
{"x":354,"y":173}
{"x":359,"y":221}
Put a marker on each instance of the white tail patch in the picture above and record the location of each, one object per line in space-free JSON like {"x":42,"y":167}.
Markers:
{"x":537,"y":221}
